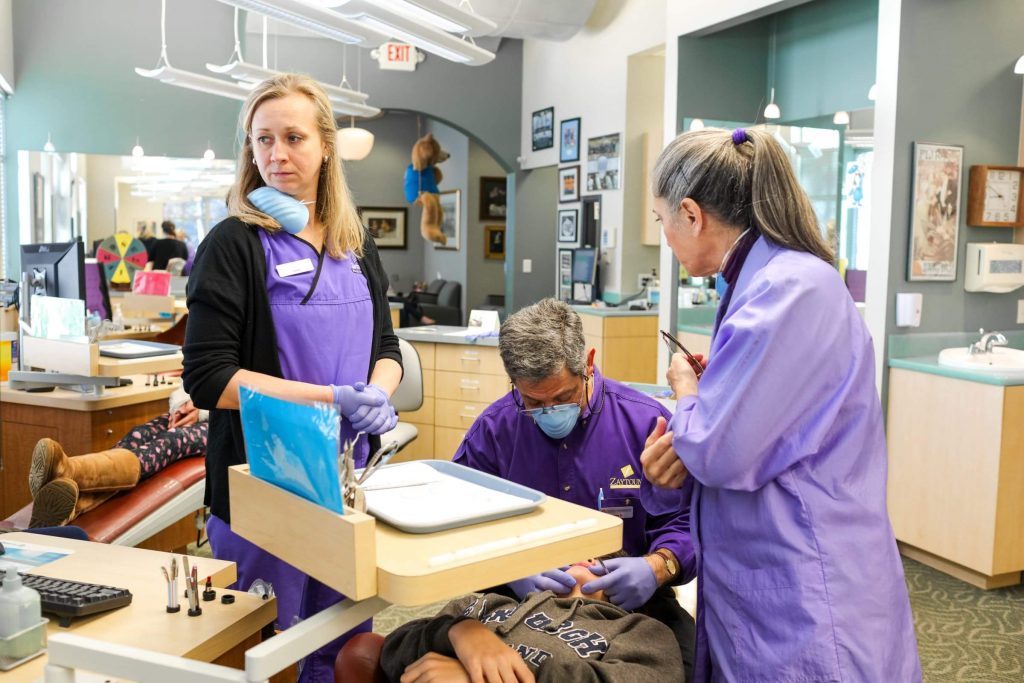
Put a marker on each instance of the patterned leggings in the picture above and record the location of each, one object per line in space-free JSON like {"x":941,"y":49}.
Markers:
{"x":157,"y":446}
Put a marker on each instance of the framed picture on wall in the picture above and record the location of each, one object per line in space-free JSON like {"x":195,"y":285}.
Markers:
{"x":452,"y":221}
{"x":494,"y":242}
{"x":569,"y":140}
{"x":543,"y":129}
{"x":493,"y":199}
{"x":565,"y":274}
{"x":603,"y":161}
{"x":386,"y":225}
{"x":935,"y":212}
{"x":569,"y":184}
{"x":568,"y":222}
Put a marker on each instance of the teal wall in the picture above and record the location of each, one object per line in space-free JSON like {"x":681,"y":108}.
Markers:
{"x":74,"y":64}
{"x":956,"y":86}
{"x":824,"y":61}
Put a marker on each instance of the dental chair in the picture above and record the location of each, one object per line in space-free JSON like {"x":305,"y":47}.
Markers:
{"x":408,"y":397}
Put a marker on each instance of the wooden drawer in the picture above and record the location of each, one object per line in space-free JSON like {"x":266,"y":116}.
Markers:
{"x":631,"y":326}
{"x":425,"y":415}
{"x":428,"y":383}
{"x":593,"y":325}
{"x":463,"y":358}
{"x":447,"y":442}
{"x":464,"y":386}
{"x":426,"y":351}
{"x":457,"y":414}
{"x":111,"y":424}
{"x":420,"y":449}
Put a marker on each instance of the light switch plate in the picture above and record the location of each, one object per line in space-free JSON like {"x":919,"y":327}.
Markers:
{"x":527,"y":265}
{"x":1020,"y":311}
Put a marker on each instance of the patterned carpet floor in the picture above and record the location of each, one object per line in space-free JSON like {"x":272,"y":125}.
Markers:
{"x":964,"y":634}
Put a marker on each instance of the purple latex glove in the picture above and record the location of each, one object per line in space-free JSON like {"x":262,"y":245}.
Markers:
{"x":377,"y":417}
{"x":554,"y":580}
{"x":351,"y":397}
{"x":629,"y":583}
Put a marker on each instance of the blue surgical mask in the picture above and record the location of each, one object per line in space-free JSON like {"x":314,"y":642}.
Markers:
{"x":557,"y":421}
{"x":721,"y":286}
{"x":283,"y":208}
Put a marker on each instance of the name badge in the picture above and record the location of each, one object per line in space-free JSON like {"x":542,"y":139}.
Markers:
{"x":294,"y":267}
{"x":623,"y":512}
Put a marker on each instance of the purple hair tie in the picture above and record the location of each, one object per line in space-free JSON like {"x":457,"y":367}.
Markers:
{"x":739,"y":136}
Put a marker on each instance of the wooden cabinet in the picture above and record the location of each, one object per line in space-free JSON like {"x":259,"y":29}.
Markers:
{"x":459,"y":382}
{"x":77,"y":431}
{"x":956,"y":473}
{"x":627,"y":345}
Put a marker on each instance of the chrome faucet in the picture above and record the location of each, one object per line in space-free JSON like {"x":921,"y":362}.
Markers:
{"x":987,"y":341}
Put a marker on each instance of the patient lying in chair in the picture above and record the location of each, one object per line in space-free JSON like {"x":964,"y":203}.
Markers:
{"x":64,"y":487}
{"x":545,"y":637}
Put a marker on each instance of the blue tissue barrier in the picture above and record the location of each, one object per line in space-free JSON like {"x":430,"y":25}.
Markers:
{"x":293,"y":445}
{"x":283,"y":208}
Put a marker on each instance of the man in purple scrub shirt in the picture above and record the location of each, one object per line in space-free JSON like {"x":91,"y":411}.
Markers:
{"x":566,"y":430}
{"x":294,"y":308}
{"x":798,"y":574}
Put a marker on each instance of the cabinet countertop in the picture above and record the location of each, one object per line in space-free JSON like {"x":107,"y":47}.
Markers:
{"x":443,"y":334}
{"x":114,"y":397}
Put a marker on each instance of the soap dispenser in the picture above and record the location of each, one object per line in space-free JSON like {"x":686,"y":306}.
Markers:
{"x":19,"y":606}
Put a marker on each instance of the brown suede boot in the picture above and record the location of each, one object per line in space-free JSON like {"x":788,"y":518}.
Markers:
{"x":111,"y":470}
{"x":60,"y":502}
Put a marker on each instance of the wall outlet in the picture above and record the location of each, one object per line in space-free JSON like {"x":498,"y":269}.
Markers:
{"x":1020,"y":311}
{"x":644,"y":280}
{"x":527,"y":265}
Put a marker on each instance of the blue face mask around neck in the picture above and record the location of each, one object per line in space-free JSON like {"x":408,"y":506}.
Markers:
{"x":292,"y":214}
{"x":558,"y":421}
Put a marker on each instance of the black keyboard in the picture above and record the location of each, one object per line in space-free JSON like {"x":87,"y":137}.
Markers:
{"x":70,"y":599}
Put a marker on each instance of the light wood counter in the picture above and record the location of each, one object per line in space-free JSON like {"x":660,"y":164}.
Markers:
{"x":211,"y":637}
{"x":626,"y":342}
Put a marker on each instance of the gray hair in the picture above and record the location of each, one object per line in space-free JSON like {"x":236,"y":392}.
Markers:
{"x":539,"y":340}
{"x":751,"y":184}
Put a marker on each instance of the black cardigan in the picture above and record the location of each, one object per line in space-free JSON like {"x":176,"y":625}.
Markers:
{"x":230,"y":328}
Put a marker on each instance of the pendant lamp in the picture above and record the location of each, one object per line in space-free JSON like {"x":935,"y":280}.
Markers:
{"x":841,"y":118}
{"x":1018,"y":68}
{"x":137,"y":150}
{"x":354,"y":143}
{"x":873,"y":91}
{"x":697,"y":124}
{"x":772,"y":110}
{"x":48,"y":147}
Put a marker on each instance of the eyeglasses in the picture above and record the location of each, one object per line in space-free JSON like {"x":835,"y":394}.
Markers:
{"x":675,"y":346}
{"x":530,"y":412}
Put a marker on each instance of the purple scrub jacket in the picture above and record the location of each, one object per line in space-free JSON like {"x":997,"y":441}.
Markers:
{"x":799,"y":578}
{"x":601,"y":452}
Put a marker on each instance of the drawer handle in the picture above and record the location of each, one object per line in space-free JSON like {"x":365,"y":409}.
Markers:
{"x":469,"y":384}
{"x":110,"y":432}
{"x":463,"y":416}
{"x":473,"y":359}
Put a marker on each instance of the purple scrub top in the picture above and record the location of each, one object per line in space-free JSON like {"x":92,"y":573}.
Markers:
{"x":601,"y":452}
{"x":799,"y":578}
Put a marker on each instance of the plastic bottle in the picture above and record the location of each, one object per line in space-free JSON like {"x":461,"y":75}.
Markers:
{"x":19,"y":606}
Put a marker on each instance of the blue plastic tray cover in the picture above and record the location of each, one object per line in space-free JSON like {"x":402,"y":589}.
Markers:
{"x":293,"y":445}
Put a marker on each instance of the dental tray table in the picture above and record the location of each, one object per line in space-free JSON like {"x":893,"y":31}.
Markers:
{"x":425,"y":496}
{"x":136,"y":349}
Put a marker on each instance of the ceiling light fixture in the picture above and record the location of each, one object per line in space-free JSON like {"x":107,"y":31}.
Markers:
{"x":48,"y":147}
{"x":373,"y":23}
{"x":873,"y":91}
{"x":841,"y":118}
{"x":771,"y":111}
{"x":137,"y":150}
{"x":446,"y":16}
{"x":1018,"y":68}
{"x":209,"y":154}
{"x":697,"y":124}
{"x":165,"y":73}
{"x":353,"y":143}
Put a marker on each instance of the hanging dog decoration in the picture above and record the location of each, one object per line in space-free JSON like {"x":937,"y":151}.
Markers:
{"x":421,"y":186}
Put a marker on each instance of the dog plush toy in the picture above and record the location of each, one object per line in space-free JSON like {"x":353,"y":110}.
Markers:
{"x":421,"y":179}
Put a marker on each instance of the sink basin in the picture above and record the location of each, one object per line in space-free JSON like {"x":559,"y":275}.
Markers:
{"x":1002,"y":361}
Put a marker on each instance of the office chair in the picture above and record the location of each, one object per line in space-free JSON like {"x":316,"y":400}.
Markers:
{"x":408,"y":396}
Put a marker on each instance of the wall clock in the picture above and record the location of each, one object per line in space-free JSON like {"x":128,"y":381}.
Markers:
{"x":995,"y":197}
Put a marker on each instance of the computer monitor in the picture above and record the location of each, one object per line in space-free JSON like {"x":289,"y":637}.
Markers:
{"x":584,"y":264}
{"x":54,"y":269}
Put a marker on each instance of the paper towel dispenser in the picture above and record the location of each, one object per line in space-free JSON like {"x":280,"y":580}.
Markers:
{"x":995,"y":267}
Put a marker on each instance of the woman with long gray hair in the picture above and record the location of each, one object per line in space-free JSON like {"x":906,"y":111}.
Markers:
{"x":799,"y":577}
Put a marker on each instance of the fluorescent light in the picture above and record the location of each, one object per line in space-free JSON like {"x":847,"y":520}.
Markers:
{"x":873,"y":91}
{"x":841,"y":118}
{"x":772,"y":110}
{"x":697,"y":124}
{"x":314,"y":19}
{"x":436,"y":42}
{"x":1018,"y":68}
{"x":194,"y":81}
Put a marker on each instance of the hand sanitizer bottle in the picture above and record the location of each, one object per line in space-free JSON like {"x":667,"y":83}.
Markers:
{"x":19,"y":606}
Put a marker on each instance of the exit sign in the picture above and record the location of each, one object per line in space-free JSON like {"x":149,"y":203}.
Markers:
{"x":397,"y":56}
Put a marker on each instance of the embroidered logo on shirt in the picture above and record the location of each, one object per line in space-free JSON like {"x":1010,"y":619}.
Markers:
{"x":357,"y":269}
{"x":627,"y":471}
{"x":624,"y":483}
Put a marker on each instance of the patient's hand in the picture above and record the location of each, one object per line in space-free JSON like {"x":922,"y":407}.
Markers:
{"x":184,"y":416}
{"x":434,"y":667}
{"x":485,"y":657}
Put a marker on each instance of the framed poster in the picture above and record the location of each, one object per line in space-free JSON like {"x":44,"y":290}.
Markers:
{"x":603,"y":161}
{"x":543,"y":129}
{"x":569,"y":184}
{"x":493,"y":199}
{"x":494,"y":242}
{"x":568,"y":221}
{"x":565,"y":274}
{"x":935,"y":212}
{"x":387,"y":226}
{"x":569,"y":140}
{"x":451,"y":222}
